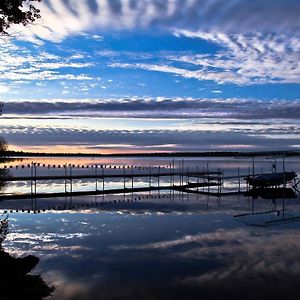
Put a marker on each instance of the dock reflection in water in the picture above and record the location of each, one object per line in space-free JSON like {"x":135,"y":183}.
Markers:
{"x":158,"y":246}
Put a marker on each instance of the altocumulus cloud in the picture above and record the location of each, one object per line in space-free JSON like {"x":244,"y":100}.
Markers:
{"x":185,"y":108}
{"x":259,"y":39}
{"x":62,"y":18}
{"x":244,"y":58}
{"x":137,"y":140}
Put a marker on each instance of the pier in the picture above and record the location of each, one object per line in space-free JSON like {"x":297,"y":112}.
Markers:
{"x":155,"y":178}
{"x":173,"y":177}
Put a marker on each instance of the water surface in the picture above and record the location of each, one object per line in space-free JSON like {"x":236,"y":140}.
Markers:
{"x":159,"y":245}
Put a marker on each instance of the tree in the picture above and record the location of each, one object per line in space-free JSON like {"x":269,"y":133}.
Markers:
{"x":17,"y":12}
{"x":3,"y":147}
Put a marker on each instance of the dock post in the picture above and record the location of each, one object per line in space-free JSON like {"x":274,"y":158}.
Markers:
{"x":124,"y":173}
{"x":158,"y":178}
{"x":173,"y":171}
{"x":96,"y":176}
{"x":132,"y":182}
{"x":103,"y":183}
{"x":188,"y":179}
{"x":219,"y":187}
{"x":170,"y":179}
{"x":173,"y":178}
{"x":71,"y":184}
{"x":182,"y":177}
{"x":31,"y":179}
{"x":35,"y":178}
{"x":71,"y":178}
{"x":65,"y":167}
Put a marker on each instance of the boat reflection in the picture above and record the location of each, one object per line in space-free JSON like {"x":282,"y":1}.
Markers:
{"x":272,"y":193}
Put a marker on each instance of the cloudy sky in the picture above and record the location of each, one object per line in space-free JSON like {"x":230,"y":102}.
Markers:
{"x":153,"y":75}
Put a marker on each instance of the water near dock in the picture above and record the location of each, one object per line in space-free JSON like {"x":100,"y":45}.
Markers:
{"x":154,"y":228}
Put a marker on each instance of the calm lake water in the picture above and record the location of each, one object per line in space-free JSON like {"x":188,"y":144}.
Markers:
{"x":158,"y":245}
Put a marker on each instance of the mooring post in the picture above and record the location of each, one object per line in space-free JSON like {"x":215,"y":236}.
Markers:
{"x":284,"y":185}
{"x":197,"y":182}
{"x":208,"y":181}
{"x":71,"y":184}
{"x":173,"y":179}
{"x":102,"y":183}
{"x":188,"y":176}
{"x":182,"y":178}
{"x":203,"y":178}
{"x":149,"y":179}
{"x":124,"y":173}
{"x":248,"y":183}
{"x":180,"y":174}
{"x":239,"y":179}
{"x":188,"y":180}
{"x":221,"y":182}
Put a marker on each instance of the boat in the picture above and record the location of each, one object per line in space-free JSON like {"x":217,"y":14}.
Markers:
{"x":268,"y":180}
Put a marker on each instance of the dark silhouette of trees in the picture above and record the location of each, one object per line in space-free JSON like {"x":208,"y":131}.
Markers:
{"x":3,"y":144}
{"x":3,"y":147}
{"x":16,"y":282}
{"x":17,"y":12}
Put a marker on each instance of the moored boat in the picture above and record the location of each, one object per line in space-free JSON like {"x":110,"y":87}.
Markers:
{"x":273,"y":179}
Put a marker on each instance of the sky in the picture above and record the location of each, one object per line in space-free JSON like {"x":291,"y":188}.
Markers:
{"x":114,"y":76}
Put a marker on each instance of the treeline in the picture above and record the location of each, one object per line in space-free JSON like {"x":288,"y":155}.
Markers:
{"x":153,"y":154}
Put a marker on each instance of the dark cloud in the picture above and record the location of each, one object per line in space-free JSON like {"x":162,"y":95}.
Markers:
{"x":167,"y":108}
{"x":154,"y":140}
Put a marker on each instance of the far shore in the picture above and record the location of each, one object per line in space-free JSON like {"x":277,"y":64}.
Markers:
{"x":12,"y":154}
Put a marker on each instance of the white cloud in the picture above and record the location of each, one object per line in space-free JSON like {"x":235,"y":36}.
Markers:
{"x":59,"y":65}
{"x":21,"y":64}
{"x":243,"y":59}
{"x":4,"y":89}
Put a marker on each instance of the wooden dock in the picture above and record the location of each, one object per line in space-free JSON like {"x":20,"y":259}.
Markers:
{"x":203,"y":175}
{"x":103,"y":192}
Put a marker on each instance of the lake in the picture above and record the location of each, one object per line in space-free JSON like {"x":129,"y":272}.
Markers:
{"x":156,"y":244}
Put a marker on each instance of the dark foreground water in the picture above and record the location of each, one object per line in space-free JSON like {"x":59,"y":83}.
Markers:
{"x":162,"y":246}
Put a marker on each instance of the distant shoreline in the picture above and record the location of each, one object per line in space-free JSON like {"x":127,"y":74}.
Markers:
{"x":157,"y":154}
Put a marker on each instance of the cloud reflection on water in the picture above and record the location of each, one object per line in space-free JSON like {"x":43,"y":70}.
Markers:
{"x":117,"y":256}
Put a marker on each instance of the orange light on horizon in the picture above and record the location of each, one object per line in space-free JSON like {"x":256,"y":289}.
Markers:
{"x":77,"y":149}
